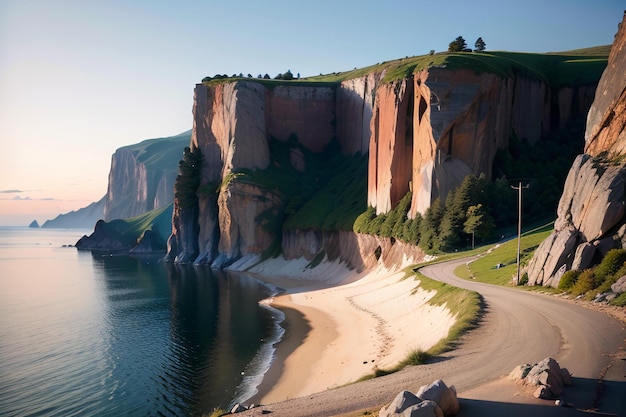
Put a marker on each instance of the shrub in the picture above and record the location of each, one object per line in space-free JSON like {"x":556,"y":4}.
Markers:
{"x":362,"y":222}
{"x":584,"y":283}
{"x":568,"y":279}
{"x":611,"y":263}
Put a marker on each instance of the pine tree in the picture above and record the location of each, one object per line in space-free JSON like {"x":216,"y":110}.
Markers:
{"x":457,"y":45}
{"x":480,"y":45}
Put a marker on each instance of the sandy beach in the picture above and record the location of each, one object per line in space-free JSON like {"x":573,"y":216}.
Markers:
{"x":342,"y":325}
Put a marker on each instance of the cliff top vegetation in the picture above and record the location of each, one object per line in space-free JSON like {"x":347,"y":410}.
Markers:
{"x":158,"y":154}
{"x":558,"y":69}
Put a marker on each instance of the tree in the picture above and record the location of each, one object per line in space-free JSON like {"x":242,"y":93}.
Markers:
{"x":478,"y":222}
{"x":429,"y":227}
{"x":480,"y":45}
{"x":457,"y":45}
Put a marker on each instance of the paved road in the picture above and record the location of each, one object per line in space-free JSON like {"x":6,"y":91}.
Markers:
{"x":517,"y":327}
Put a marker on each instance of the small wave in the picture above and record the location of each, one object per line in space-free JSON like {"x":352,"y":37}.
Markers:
{"x":260,"y":364}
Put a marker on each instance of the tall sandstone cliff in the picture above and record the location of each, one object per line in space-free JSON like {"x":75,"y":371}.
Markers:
{"x":142,"y":176}
{"x":423,"y":132}
{"x":591,"y":217}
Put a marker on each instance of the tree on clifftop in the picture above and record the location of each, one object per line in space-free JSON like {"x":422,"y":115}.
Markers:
{"x":457,"y":45}
{"x":480,"y":45}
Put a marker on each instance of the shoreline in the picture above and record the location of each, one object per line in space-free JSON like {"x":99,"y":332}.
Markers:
{"x":341,"y":325}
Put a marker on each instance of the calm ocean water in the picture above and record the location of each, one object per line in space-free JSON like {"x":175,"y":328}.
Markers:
{"x":87,"y":335}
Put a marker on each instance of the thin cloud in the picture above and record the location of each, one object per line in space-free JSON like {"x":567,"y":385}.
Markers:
{"x":27,"y":198}
{"x":11,"y":191}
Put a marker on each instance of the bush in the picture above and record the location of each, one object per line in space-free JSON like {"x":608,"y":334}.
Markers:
{"x":584,"y":283}
{"x":611,"y":263}
{"x":568,"y":279}
{"x":362,"y":222}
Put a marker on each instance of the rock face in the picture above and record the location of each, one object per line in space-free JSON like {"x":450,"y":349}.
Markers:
{"x":233,"y":124}
{"x":591,"y":210}
{"x":425,"y":131}
{"x":431,"y":130}
{"x":142,"y":176}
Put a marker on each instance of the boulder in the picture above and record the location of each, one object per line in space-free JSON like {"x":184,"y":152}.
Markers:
{"x":619,"y":286}
{"x":443,"y":395}
{"x":433,"y":400}
{"x":547,"y":376}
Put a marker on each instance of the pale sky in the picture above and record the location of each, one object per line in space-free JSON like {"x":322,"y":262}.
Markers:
{"x":79,"y":79}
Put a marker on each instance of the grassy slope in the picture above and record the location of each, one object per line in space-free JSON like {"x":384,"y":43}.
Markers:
{"x":129,"y":230}
{"x":161,"y":154}
{"x":484,"y":268}
{"x":559,"y":69}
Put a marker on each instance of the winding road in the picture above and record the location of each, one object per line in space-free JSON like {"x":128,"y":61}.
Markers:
{"x":517,"y":327}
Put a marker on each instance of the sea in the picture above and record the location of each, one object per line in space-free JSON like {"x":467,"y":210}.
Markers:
{"x":86,"y":334}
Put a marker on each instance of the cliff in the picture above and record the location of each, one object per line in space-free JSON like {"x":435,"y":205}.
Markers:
{"x":142,"y":176}
{"x":425,"y":123}
{"x":591,"y":209}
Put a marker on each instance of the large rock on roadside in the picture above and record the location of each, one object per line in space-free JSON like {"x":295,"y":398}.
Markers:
{"x":547,"y":376}
{"x":443,"y":395}
{"x":433,"y":400}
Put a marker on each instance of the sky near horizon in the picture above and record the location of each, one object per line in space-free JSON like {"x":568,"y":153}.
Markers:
{"x":80,"y":79}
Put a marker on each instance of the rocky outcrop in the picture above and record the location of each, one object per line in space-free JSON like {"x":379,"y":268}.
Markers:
{"x":104,"y":239}
{"x":142,"y":176}
{"x":145,"y":234}
{"x":591,"y":211}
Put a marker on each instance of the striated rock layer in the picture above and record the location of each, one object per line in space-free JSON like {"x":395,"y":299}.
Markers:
{"x":424,"y":132}
{"x":591,"y":210}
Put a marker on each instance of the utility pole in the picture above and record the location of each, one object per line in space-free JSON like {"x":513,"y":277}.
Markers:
{"x":519,"y":224}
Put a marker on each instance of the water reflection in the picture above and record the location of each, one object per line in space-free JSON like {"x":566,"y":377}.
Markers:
{"x":178,"y":337}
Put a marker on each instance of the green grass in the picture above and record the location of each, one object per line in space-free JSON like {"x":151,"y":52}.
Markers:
{"x":128,"y":231}
{"x":484,"y":268}
{"x":338,"y":203}
{"x":558,"y":69}
{"x":162,"y":153}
